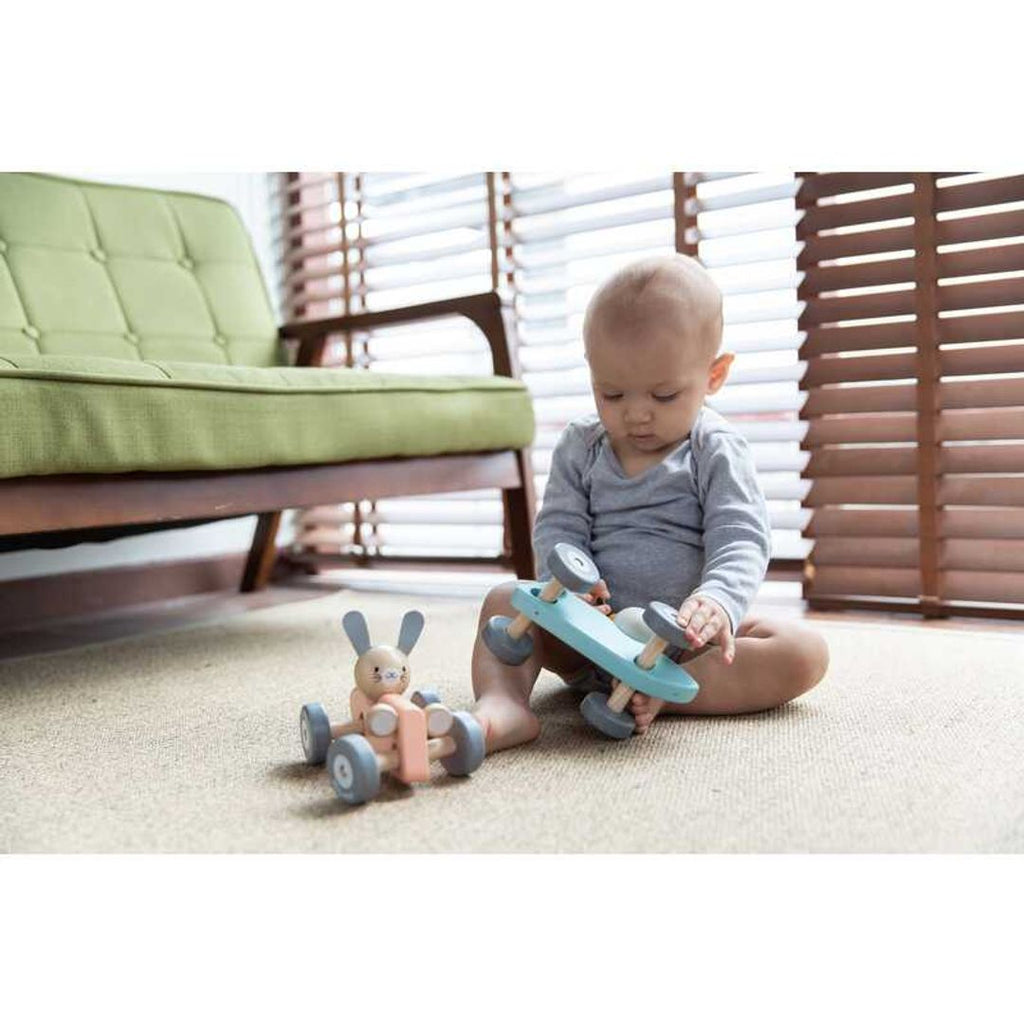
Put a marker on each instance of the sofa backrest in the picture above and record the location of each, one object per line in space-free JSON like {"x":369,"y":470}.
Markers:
{"x":129,"y":273}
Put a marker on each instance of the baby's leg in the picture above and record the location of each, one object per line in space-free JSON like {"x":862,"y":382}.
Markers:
{"x":775,"y":662}
{"x":503,"y":691}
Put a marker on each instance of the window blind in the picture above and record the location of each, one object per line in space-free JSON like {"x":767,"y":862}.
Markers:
{"x":355,"y":241}
{"x":744,"y":232}
{"x":568,"y":233}
{"x":396,"y":240}
{"x":914,"y":320}
{"x":565,"y":233}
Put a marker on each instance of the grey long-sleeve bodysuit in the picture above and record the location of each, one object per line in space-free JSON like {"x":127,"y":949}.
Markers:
{"x":694,"y":523}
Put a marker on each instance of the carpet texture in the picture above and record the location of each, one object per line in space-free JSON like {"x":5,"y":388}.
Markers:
{"x":188,"y":741}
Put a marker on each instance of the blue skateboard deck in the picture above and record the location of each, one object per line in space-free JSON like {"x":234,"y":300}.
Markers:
{"x":597,"y":638}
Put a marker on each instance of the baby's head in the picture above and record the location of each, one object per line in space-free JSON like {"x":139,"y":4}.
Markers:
{"x":652,"y":333}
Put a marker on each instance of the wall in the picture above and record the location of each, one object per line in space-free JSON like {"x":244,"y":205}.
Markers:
{"x":248,"y":193}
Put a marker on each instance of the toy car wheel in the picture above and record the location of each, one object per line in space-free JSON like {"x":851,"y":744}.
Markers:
{"x":354,"y":770}
{"x":315,"y":732}
{"x":502,"y":646}
{"x":469,"y":745}
{"x":572,"y":568}
{"x":661,"y":618}
{"x":618,"y":725}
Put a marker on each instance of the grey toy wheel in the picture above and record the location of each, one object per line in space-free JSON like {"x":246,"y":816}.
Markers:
{"x":502,"y":646}
{"x":619,"y":725}
{"x":661,"y":618}
{"x":469,"y":745}
{"x":353,"y":768}
{"x":315,"y":732}
{"x":424,"y":698}
{"x":572,"y":568}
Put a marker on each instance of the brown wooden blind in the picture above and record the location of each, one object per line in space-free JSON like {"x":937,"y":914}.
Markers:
{"x":913,"y":322}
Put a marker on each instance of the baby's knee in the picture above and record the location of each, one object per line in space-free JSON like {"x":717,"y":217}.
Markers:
{"x":499,"y":599}
{"x":812,"y":658}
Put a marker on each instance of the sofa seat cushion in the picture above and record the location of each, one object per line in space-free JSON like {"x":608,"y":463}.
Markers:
{"x":90,"y":414}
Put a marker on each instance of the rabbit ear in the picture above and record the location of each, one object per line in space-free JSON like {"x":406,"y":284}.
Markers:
{"x":412,"y":626}
{"x":355,"y":626}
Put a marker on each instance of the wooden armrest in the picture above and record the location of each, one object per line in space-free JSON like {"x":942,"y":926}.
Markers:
{"x":486,"y":310}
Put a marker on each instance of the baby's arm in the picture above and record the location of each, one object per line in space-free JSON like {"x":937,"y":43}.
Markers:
{"x":737,"y":542}
{"x":565,"y":509}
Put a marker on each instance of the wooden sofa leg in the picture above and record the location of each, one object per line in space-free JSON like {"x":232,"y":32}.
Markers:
{"x":519,"y":511}
{"x":260,"y":563}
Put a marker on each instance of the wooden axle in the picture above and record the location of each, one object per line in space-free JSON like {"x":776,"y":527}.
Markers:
{"x":345,"y":729}
{"x":442,"y":746}
{"x":521,"y":623}
{"x":645,"y":659}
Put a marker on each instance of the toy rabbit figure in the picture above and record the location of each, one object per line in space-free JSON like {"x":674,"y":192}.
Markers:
{"x":382,"y":669}
{"x":387,"y":732}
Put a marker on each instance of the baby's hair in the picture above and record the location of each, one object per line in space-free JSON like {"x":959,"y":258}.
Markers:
{"x":676,"y":278}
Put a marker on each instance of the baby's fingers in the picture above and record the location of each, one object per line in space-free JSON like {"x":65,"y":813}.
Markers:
{"x":711,"y":628}
{"x":639,"y":703}
{"x":686,"y":611}
{"x":729,"y":648}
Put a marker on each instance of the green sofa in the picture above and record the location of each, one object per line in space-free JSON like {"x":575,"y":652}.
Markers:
{"x":143,"y":383}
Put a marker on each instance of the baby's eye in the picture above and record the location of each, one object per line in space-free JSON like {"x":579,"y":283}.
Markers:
{"x":611,"y":398}
{"x":667,"y":398}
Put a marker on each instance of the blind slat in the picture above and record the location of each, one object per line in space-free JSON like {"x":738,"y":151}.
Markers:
{"x":857,"y":337}
{"x":867,"y":211}
{"x":830,"y":369}
{"x":980,"y":193}
{"x":838,"y":183}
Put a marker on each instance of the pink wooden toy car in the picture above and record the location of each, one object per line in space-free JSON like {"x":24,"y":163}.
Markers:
{"x":387,"y":732}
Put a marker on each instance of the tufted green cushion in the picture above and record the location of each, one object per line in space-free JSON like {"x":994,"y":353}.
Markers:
{"x":136,"y":335}
{"x":129,"y":273}
{"x":81,"y":414}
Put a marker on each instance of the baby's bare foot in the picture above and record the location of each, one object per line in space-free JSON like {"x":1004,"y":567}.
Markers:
{"x":506,"y":722}
{"x":644,"y":709}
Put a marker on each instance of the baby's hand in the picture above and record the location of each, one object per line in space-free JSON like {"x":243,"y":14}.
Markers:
{"x":705,"y":622}
{"x":599,"y":595}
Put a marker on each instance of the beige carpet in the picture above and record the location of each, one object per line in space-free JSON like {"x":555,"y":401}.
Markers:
{"x":188,"y":741}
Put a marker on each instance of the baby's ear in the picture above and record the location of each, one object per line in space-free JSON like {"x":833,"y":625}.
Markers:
{"x":719,"y":371}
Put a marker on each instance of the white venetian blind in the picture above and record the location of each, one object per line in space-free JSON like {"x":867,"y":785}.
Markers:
{"x":355,"y":241}
{"x":745,"y":232}
{"x":567,"y":233}
{"x":403,"y":239}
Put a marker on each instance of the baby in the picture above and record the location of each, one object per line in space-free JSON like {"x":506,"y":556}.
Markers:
{"x":661,"y":492}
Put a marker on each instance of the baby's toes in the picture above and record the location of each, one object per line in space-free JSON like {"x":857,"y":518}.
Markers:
{"x":643,"y":721}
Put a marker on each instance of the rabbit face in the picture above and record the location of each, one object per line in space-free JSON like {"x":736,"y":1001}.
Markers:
{"x":382,"y":670}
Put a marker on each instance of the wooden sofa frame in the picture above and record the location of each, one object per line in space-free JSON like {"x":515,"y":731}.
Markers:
{"x":55,"y":511}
